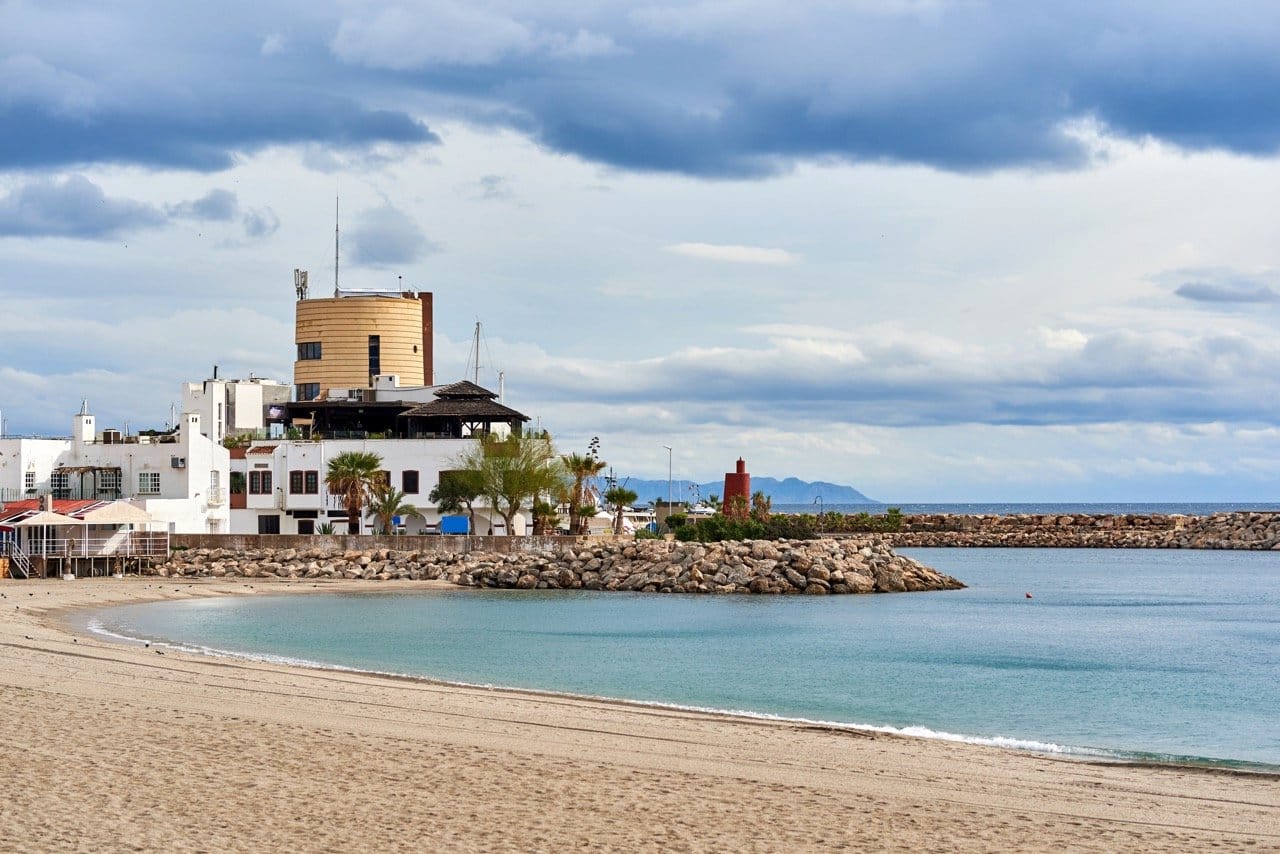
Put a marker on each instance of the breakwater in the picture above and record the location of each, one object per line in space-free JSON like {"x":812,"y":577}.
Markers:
{"x":1235,"y":530}
{"x":815,"y":567}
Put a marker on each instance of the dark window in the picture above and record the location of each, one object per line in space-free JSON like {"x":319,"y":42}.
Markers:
{"x":383,"y":478}
{"x":308,"y":350}
{"x":409,"y":482}
{"x":306,"y":526}
{"x":375,"y":355}
{"x":304,"y":482}
{"x":308,"y":391}
{"x":260,"y":483}
{"x":269,"y":524}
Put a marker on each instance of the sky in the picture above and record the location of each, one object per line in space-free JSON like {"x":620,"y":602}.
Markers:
{"x":934,"y":250}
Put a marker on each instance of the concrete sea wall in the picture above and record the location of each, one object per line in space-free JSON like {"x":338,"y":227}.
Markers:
{"x":815,"y":567}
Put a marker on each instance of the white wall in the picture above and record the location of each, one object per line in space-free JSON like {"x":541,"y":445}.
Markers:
{"x":428,"y":457}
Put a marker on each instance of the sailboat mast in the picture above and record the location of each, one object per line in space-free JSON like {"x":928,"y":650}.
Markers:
{"x":335,"y":246}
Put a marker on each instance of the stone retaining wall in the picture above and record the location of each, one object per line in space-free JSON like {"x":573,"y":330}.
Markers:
{"x":760,"y":566}
{"x":1242,"y":530}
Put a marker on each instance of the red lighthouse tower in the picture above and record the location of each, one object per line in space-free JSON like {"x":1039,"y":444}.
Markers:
{"x":737,"y":491}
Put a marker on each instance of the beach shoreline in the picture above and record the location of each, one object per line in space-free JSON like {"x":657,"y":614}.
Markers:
{"x":480,"y":768}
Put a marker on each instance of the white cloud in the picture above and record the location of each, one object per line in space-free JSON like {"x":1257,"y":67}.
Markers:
{"x":733,"y":254}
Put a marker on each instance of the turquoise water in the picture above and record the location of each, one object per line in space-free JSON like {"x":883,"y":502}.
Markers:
{"x":1159,"y":655}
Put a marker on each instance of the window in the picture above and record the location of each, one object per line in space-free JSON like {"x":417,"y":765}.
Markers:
{"x":109,"y":481}
{"x":304,"y":482}
{"x":382,"y":478}
{"x":308,"y":391}
{"x":29,"y":481}
{"x":148,"y":483}
{"x":409,"y":482}
{"x":306,"y":526}
{"x":269,"y":524}
{"x":308,"y":350}
{"x":60,"y":484}
{"x":375,"y":355}
{"x":259,"y":483}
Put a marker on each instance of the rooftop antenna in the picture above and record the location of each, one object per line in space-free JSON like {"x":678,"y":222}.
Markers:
{"x":476,"y":346}
{"x":502,"y":382}
{"x":300,"y":283}
{"x":335,"y":246}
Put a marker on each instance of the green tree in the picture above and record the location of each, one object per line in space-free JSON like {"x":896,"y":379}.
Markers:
{"x":352,"y":475}
{"x":457,"y":491}
{"x":385,"y":503}
{"x":582,"y":503}
{"x":513,"y":470}
{"x":618,"y":497}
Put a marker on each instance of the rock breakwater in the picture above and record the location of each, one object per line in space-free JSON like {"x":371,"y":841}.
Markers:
{"x":815,"y":567}
{"x":1237,"y":530}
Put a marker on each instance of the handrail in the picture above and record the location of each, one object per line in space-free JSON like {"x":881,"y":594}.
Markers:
{"x":17,"y":557}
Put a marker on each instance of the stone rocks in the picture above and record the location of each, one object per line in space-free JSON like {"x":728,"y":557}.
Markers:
{"x":1239,"y":530}
{"x":813,"y":567}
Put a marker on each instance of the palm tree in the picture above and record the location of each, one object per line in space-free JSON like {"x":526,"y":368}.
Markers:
{"x":385,"y":503}
{"x":352,"y":475}
{"x":761,"y":505}
{"x":580,"y":467}
{"x":619,"y":497}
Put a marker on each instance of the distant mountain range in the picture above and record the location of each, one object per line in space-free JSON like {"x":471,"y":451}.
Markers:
{"x":789,"y":491}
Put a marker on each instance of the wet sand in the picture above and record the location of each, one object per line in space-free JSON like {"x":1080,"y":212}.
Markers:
{"x":111,"y":747}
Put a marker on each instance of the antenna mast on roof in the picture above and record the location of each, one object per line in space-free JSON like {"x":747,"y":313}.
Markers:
{"x":477,"y":353}
{"x":335,"y":246}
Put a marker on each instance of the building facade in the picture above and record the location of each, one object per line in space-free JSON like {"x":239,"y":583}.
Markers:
{"x":345,"y":341}
{"x":232,"y":407}
{"x":180,"y":478}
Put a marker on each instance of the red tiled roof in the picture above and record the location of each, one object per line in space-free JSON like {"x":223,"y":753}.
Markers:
{"x":268,"y":450}
{"x":15,"y":510}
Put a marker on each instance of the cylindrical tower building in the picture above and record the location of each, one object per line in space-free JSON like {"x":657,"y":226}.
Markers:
{"x":737,"y":491}
{"x":345,"y":341}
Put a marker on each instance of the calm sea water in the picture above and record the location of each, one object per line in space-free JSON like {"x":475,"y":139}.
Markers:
{"x":1142,"y":654}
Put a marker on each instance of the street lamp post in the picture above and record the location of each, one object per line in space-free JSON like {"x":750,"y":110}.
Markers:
{"x":818,"y":501}
{"x":668,"y":447}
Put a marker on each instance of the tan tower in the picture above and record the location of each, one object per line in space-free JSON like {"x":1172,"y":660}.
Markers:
{"x":345,"y":341}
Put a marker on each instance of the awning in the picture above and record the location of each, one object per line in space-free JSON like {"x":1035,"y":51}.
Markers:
{"x":47,"y":517}
{"x":118,"y":513}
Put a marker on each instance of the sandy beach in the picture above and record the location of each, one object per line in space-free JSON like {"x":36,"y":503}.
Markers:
{"x":109,"y":747}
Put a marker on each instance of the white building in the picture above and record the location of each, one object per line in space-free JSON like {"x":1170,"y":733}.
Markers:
{"x":231,"y":407}
{"x":284,"y":488}
{"x":179,"y":478}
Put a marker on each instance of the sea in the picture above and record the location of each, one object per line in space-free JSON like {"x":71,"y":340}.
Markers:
{"x":1141,"y":655}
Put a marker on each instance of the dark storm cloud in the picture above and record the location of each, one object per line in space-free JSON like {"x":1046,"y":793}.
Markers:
{"x":75,"y":207}
{"x":1116,"y":376}
{"x":71,"y":207}
{"x":702,"y":88}
{"x":1227,"y":293}
{"x":216,"y":205}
